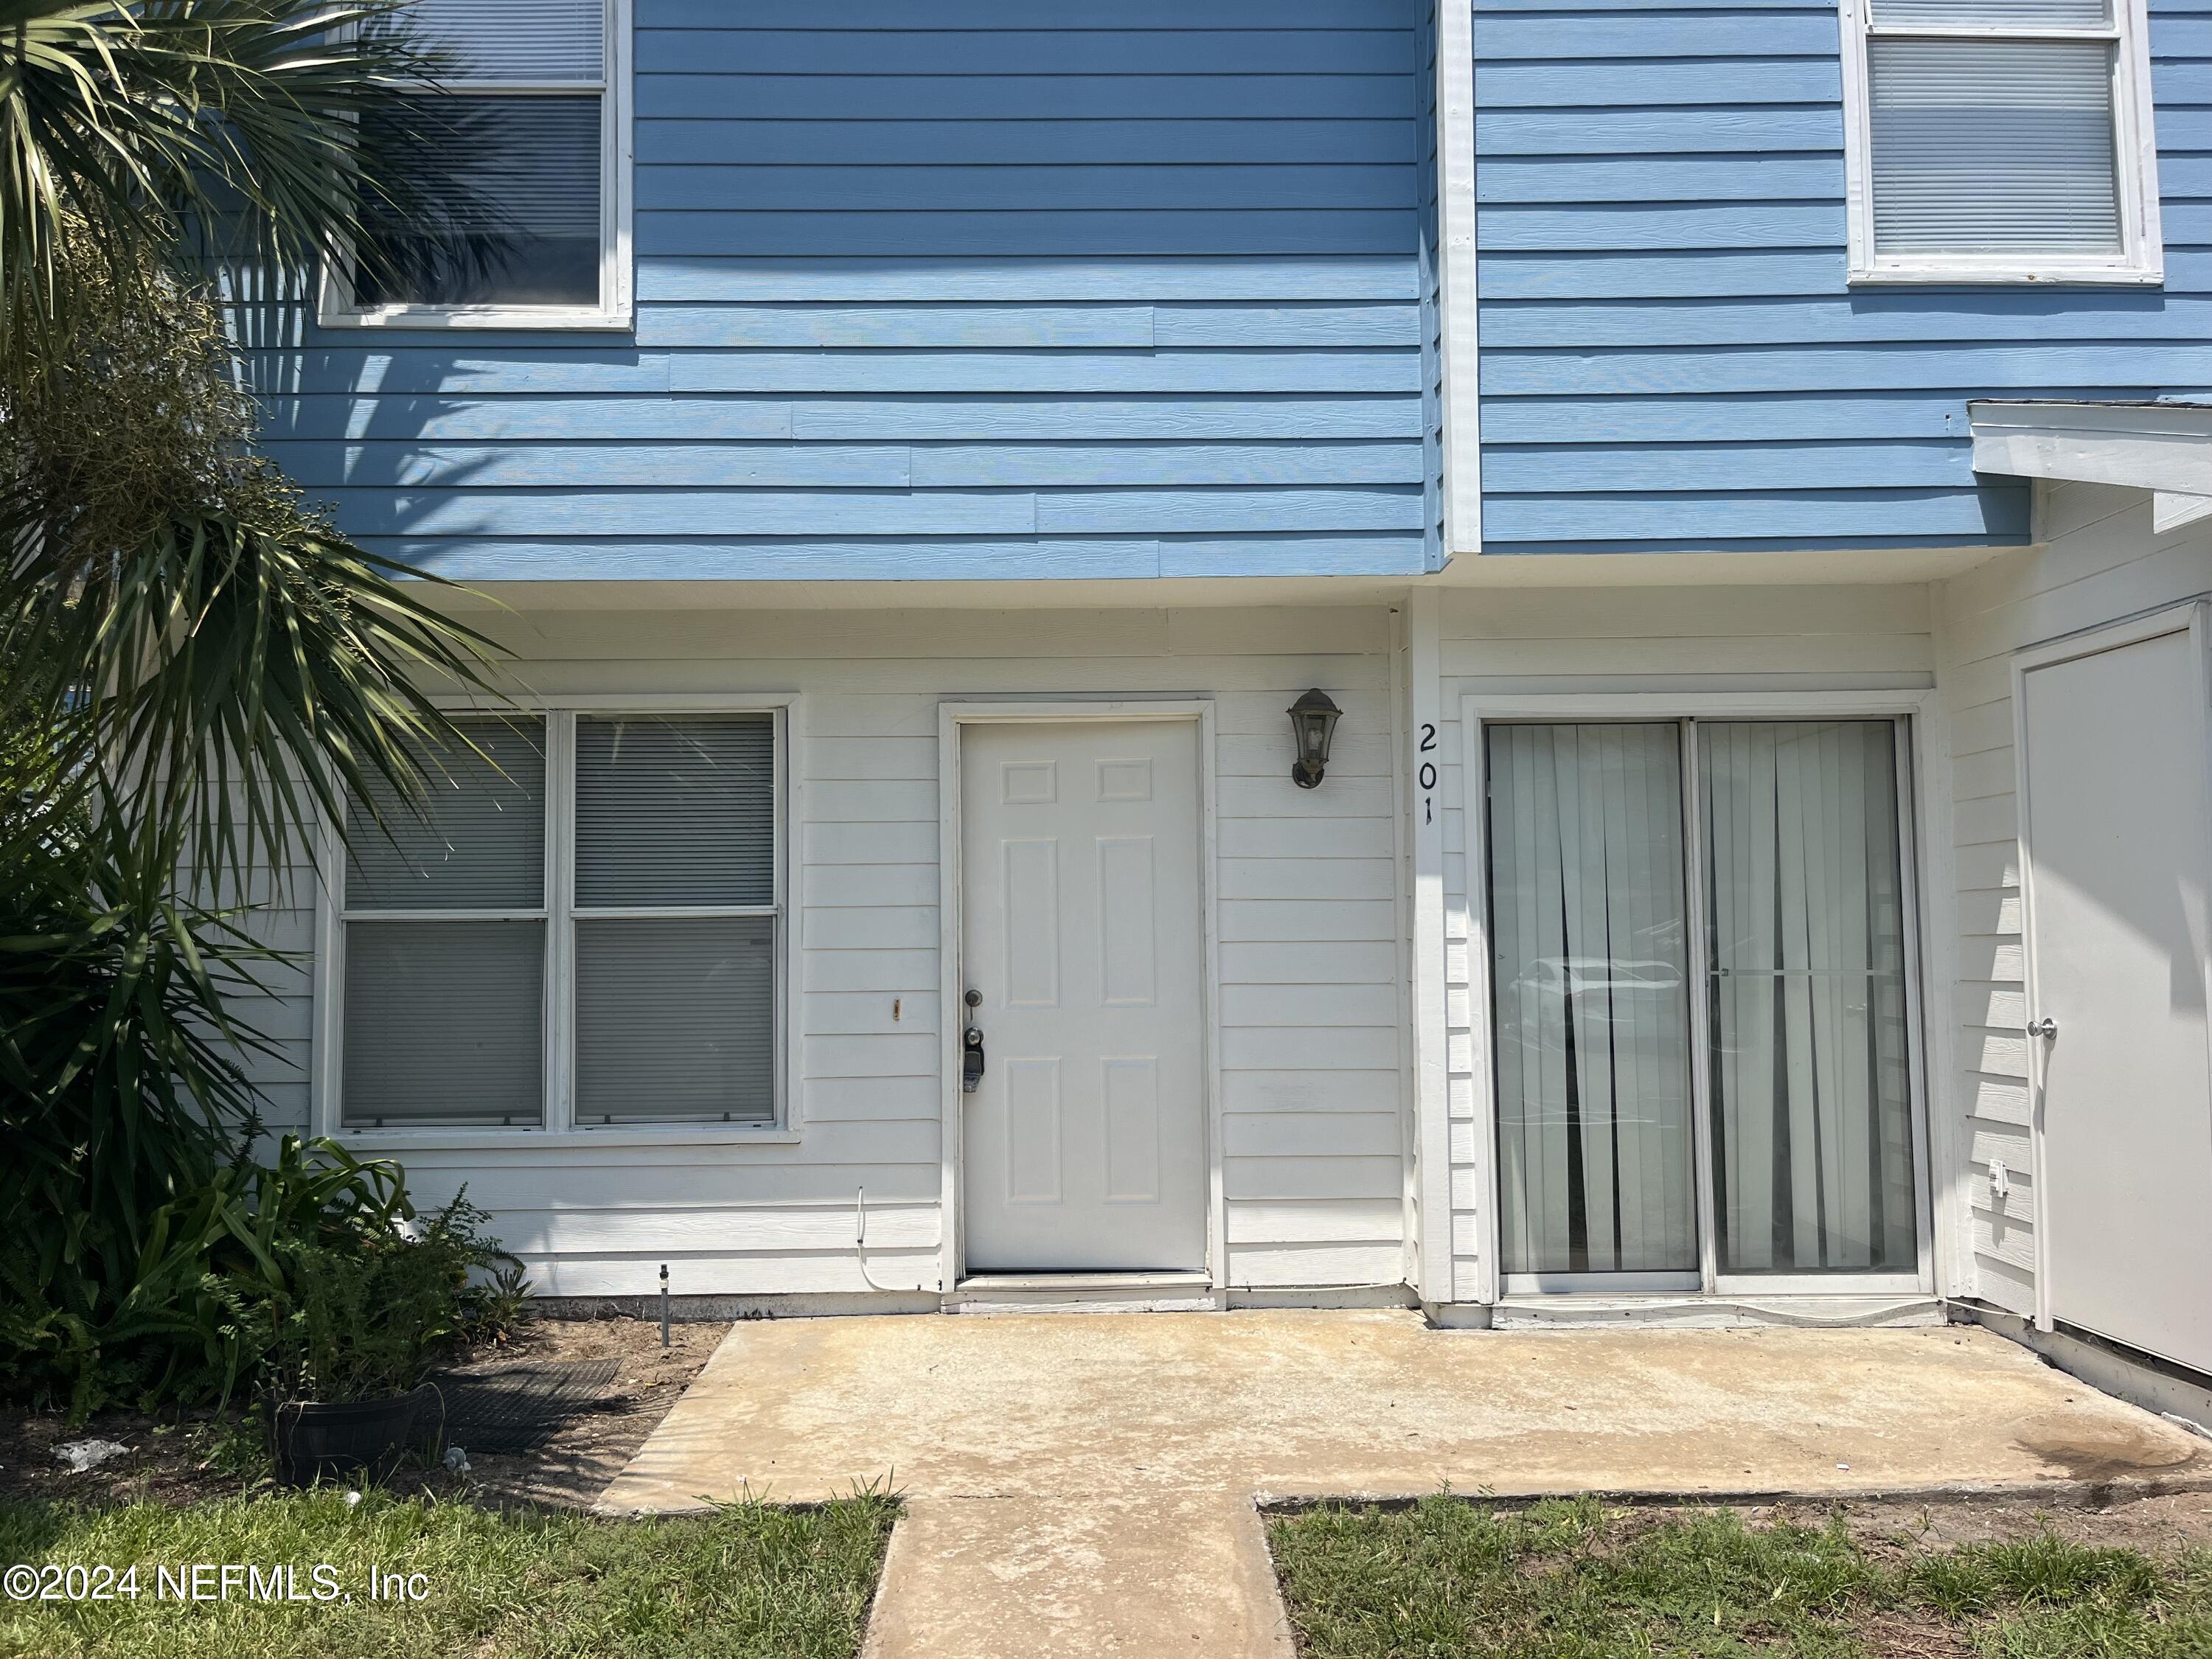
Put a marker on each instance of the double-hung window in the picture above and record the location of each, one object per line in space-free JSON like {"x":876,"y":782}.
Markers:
{"x":2000,"y":141}
{"x":507,"y":196}
{"x":584,"y":931}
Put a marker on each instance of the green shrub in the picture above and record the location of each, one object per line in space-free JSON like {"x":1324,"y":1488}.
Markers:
{"x":371,"y":1317}
{"x":312,"y":1270}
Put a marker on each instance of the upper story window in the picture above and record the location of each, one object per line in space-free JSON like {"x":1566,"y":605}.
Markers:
{"x":2001,"y":141}
{"x":522,"y":190}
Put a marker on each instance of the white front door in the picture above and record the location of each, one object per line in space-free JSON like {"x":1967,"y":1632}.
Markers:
{"x":2119,"y":834}
{"x":1084,"y":1149}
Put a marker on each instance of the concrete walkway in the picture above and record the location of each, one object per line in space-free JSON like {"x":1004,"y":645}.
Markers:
{"x":1084,"y":1484}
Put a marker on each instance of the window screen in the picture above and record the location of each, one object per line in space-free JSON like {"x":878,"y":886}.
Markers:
{"x":497,"y":185}
{"x":675,"y":1014}
{"x":1993,"y":146}
{"x":445,"y":941}
{"x":675,"y":810}
{"x":1983,"y":147}
{"x":645,"y":947}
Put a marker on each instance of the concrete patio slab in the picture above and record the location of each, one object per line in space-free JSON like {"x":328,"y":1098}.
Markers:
{"x":1083,"y":1484}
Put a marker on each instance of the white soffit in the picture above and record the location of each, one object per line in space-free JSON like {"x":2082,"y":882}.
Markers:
{"x":2165,"y":447}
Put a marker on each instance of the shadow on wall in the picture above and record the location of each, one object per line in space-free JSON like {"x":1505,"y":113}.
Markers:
{"x":1042,"y":299}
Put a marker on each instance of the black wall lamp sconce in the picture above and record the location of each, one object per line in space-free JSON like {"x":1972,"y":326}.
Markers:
{"x":1313,"y":722}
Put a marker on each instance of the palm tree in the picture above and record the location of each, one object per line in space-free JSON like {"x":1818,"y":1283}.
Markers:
{"x":195,"y":666}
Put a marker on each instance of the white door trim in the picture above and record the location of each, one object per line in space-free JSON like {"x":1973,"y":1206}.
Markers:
{"x":2190,"y":618}
{"x":952,"y":714}
{"x":1927,"y":878}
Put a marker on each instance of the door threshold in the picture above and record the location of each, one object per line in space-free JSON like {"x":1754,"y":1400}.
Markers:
{"x":1093,"y":1292}
{"x":1085,"y":1281}
{"x":1834,"y":1309}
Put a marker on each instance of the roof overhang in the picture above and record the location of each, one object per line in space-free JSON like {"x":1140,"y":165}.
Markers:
{"x":2142,"y":446}
{"x":2165,"y":448}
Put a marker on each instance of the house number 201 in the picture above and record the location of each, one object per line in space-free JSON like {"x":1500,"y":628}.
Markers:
{"x":1427,"y":775}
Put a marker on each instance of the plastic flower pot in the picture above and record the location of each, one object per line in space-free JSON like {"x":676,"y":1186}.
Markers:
{"x":312,"y":1440}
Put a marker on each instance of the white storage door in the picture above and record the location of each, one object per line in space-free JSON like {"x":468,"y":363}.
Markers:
{"x":2117,"y":832}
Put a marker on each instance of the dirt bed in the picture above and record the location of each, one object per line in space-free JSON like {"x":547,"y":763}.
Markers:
{"x":184,"y":1459}
{"x":2154,"y":1525}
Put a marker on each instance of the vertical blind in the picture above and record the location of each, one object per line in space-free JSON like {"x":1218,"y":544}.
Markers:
{"x":1991,"y":146}
{"x":1812,"y":1105}
{"x":1592,"y":1018}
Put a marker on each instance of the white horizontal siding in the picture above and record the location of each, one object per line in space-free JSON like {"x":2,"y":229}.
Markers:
{"x":1683,"y":639}
{"x":2100,"y":561}
{"x":1312,"y":1105}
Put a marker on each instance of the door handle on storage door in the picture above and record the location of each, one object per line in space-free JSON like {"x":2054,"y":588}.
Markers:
{"x":2047,"y":1027}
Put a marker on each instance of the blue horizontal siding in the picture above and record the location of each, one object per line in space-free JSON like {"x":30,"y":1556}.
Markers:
{"x":520,"y":465}
{"x":1007,"y":188}
{"x":983,"y":96}
{"x":697,"y":50}
{"x":996,"y":16}
{"x":526,"y":418}
{"x":1870,"y":319}
{"x":900,"y":145}
{"x":983,"y":326}
{"x":581,"y":558}
{"x":970,"y":278}
{"x":1672,"y":355}
{"x":981,"y":290}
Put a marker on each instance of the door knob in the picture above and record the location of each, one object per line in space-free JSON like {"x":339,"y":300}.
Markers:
{"x":971,"y":1048}
{"x":2045,"y":1028}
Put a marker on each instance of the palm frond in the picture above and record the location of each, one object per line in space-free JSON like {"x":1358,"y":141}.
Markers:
{"x":205,"y":125}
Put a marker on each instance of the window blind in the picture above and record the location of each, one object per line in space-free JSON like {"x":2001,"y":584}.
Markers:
{"x":1995,"y":14}
{"x":443,"y":1024}
{"x":546,"y":41}
{"x":523,"y":168}
{"x":1992,"y":147}
{"x":675,"y":810}
{"x":480,"y":843}
{"x":496,"y":193}
{"x":675,"y":1020}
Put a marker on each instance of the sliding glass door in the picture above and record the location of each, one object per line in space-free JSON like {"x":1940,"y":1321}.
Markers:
{"x":1702,"y":1018}
{"x":1588,"y":928}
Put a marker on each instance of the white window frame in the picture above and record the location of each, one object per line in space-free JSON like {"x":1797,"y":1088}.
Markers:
{"x":1920,"y":803}
{"x":560,"y":913}
{"x":2141,"y":258}
{"x":616,"y":307}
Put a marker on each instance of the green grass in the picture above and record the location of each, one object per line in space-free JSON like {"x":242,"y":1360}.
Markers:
{"x":745,"y":1581}
{"x":1574,"y":1580}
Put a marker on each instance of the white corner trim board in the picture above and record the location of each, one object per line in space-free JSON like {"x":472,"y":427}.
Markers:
{"x":1455,"y":274}
{"x":2140,"y":445}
